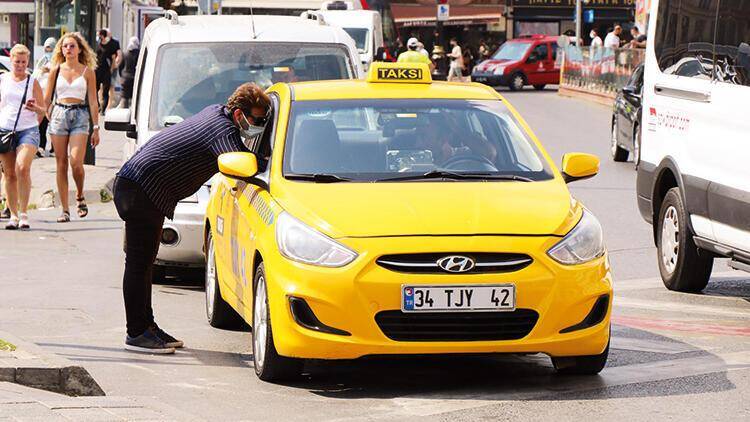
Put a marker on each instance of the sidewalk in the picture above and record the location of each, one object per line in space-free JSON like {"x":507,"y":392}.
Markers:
{"x":108,"y":160}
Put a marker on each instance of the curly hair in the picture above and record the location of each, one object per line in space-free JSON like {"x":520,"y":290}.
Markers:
{"x":247,"y":96}
{"x":86,"y":57}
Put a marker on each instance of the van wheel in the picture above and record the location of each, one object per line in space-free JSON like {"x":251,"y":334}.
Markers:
{"x":517,"y":82}
{"x":683,"y":267}
{"x":269,"y":366}
{"x":619,"y":154}
{"x":218,"y":311}
{"x":581,"y":365}
{"x":539,"y":87}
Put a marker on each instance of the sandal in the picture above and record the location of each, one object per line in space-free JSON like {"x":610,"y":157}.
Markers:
{"x":83,"y":209}
{"x":64,"y":218}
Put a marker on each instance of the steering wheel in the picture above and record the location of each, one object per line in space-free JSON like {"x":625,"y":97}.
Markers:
{"x":458,"y":163}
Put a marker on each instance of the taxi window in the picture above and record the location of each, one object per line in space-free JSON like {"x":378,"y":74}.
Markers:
{"x":375,"y":140}
{"x":210,"y":72}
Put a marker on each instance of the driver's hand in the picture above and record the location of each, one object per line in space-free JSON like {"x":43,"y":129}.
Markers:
{"x":447,"y":150}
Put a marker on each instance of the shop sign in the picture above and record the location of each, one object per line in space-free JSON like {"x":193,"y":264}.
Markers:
{"x":597,"y":4}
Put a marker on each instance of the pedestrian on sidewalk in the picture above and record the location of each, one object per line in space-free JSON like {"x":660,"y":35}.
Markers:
{"x":170,"y":167}
{"x":108,"y":57}
{"x":41,"y":73}
{"x":73,"y":87}
{"x":455,"y":71}
{"x":127,"y":70}
{"x":21,"y":107}
{"x":612,"y":40}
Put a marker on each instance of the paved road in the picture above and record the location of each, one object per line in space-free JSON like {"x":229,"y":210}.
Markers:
{"x":673,"y":355}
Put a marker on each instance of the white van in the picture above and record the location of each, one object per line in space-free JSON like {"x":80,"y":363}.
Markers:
{"x":694,"y":173}
{"x":364,"y":26}
{"x":189,"y":62}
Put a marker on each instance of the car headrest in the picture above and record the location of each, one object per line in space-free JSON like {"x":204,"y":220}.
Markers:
{"x":317,"y":147}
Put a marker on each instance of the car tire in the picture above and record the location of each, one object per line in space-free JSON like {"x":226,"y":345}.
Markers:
{"x":517,"y":82}
{"x":539,"y":87}
{"x":636,"y":146}
{"x":269,"y":366}
{"x":619,"y":153}
{"x":581,"y":365}
{"x":218,"y":312}
{"x":683,"y":267}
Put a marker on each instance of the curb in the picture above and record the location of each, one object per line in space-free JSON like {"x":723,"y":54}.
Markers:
{"x":43,"y":370}
{"x":51,"y":199}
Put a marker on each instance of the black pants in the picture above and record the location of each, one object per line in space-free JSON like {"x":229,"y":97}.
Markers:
{"x":104,"y":81}
{"x":143,"y":224}
{"x":43,"y":134}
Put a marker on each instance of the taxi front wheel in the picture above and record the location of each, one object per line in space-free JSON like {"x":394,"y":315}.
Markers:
{"x":218,"y":311}
{"x":581,"y":365}
{"x":269,"y":366}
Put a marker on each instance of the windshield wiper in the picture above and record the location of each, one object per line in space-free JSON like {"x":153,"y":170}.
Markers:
{"x":318,"y":178}
{"x":442,"y":174}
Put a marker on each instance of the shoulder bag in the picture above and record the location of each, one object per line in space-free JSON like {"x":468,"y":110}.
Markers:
{"x":8,"y":137}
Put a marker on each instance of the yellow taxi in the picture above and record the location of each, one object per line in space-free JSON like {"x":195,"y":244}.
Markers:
{"x":397,"y":215}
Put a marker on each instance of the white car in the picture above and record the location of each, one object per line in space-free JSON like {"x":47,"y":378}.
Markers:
{"x":189,"y":62}
{"x":693,"y":179}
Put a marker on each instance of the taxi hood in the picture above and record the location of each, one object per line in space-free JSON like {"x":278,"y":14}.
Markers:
{"x":431,"y":208}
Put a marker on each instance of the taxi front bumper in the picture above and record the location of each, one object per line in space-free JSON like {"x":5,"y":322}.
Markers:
{"x":349,"y":299}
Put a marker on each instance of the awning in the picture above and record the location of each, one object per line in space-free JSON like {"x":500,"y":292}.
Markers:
{"x":418,"y":15}
{"x":8,"y":7}
{"x":264,"y":4}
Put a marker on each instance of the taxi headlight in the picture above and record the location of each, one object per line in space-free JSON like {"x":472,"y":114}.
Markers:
{"x":300,"y":242}
{"x":499,"y":70}
{"x":584,"y":243}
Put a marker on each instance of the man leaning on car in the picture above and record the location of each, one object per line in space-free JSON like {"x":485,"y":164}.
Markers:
{"x":173,"y":165}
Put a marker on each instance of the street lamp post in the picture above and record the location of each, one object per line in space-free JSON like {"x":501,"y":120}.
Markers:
{"x":579,"y":13}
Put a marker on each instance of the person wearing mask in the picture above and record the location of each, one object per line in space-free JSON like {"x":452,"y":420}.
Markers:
{"x":127,"y":70}
{"x":484,"y":50}
{"x":21,"y":108}
{"x":639,"y":40}
{"x":412,"y":55}
{"x":72,"y":85}
{"x":41,"y":73}
{"x":612,"y":40}
{"x":455,"y":71}
{"x":108,"y":56}
{"x":170,"y":167}
{"x":596,"y":40}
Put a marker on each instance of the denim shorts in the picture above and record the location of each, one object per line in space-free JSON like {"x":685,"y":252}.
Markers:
{"x":69,"y":121}
{"x":28,"y":136}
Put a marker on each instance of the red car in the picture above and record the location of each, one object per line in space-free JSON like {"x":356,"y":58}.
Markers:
{"x":528,"y":60}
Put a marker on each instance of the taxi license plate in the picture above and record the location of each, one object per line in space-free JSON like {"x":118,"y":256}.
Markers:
{"x":498,"y":297}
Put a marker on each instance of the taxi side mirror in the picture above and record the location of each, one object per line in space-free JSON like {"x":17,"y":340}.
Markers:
{"x":239,"y":165}
{"x":579,"y":166}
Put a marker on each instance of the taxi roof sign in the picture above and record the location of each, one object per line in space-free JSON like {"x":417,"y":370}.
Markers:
{"x":412,"y":73}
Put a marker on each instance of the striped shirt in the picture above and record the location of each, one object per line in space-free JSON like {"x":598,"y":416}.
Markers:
{"x":178,"y":160}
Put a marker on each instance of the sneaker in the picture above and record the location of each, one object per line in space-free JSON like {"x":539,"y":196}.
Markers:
{"x":148,"y":342}
{"x":168,"y":340}
{"x":12,"y":224}
{"x":23,"y":221}
{"x":5,"y":214}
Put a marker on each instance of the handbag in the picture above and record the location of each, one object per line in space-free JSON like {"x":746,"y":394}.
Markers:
{"x":8,"y":137}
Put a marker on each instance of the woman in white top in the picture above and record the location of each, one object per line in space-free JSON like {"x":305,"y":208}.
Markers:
{"x":21,"y":107}
{"x":72,"y":84}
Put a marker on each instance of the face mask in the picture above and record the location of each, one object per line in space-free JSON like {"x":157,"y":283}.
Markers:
{"x":592,"y":34}
{"x":251,"y":135}
{"x":48,"y":55}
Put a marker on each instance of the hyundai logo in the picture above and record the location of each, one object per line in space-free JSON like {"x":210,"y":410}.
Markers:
{"x":456,"y":263}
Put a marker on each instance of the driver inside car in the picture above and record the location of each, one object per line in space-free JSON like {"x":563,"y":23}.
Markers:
{"x":438,"y":133}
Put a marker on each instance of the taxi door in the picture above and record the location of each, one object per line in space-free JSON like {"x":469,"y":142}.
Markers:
{"x":226,"y":240}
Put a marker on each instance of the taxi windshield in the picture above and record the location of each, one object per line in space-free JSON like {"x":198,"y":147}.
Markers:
{"x":191,"y":76}
{"x":390,"y":140}
{"x":512,"y":51}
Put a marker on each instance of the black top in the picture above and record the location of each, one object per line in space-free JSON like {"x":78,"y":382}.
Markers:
{"x":127,"y":67}
{"x":178,"y":160}
{"x":104,"y":53}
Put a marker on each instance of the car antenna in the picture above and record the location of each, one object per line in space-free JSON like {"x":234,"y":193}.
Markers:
{"x":252,"y":20}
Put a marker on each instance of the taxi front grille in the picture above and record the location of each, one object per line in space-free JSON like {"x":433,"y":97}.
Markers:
{"x":427,"y":263}
{"x":456,"y":326}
